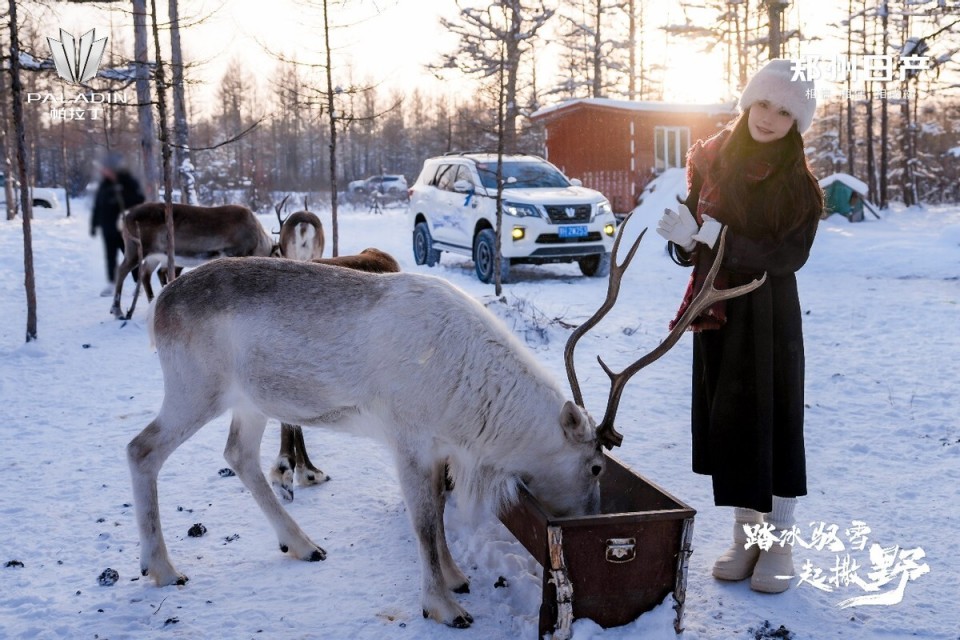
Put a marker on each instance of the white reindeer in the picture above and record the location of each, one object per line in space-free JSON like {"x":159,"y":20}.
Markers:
{"x":446,"y":387}
{"x":292,"y":459}
{"x":452,"y":384}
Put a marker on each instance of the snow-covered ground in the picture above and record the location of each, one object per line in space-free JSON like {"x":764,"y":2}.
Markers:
{"x":880,"y":300}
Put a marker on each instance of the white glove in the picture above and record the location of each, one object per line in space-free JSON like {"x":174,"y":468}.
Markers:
{"x":709,"y":232}
{"x":679,"y":228}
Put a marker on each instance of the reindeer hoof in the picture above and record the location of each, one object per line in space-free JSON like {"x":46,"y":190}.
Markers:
{"x":284,"y":548}
{"x":461,"y":621}
{"x":318,"y":555}
{"x":283,"y":492}
{"x":176,"y":580}
{"x":309,"y":477}
{"x":281,"y":477}
{"x":464,"y":588}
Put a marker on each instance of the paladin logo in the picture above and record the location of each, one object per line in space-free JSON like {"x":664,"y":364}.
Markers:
{"x":77,"y":62}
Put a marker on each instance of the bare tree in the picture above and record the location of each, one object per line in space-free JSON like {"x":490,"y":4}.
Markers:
{"x":332,"y":120}
{"x":335,"y":99}
{"x":512,"y":23}
{"x":165,"y":150}
{"x":25,"y":204}
{"x":589,"y":49}
{"x":501,"y":144}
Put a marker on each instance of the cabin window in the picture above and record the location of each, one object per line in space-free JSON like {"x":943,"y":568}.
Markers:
{"x":670,"y":146}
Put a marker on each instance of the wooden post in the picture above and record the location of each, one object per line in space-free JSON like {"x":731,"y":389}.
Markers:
{"x":561,"y":581}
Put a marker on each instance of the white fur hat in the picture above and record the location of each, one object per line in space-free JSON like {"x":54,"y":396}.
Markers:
{"x":774,"y":83}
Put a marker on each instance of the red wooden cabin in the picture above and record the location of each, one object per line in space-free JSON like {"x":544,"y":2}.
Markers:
{"x":617,"y":146}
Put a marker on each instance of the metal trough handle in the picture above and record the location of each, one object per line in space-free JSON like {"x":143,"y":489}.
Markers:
{"x":620,"y":550}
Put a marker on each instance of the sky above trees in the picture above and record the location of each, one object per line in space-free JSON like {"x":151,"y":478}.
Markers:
{"x":391,"y":43}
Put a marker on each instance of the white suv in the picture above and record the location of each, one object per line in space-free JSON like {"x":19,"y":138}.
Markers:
{"x":547,"y":218}
{"x":391,"y":187}
{"x":41,"y":196}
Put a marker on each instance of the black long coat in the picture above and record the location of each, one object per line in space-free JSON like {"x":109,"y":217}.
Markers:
{"x":113,"y":198}
{"x":748,"y":376}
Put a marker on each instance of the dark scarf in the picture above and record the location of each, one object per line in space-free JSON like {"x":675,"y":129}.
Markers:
{"x":704,"y":160}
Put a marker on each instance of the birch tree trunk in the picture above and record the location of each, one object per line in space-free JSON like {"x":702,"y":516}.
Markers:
{"x":7,"y":166}
{"x":884,"y":115}
{"x":181,"y":138}
{"x":148,"y":156}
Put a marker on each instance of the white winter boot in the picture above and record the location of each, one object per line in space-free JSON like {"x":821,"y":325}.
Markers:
{"x":775,"y":570}
{"x":737,"y":562}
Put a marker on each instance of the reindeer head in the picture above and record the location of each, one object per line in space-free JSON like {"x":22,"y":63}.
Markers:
{"x":565,"y":478}
{"x":708,"y":295}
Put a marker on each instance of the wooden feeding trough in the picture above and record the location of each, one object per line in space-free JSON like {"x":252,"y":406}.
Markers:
{"x":613,"y":566}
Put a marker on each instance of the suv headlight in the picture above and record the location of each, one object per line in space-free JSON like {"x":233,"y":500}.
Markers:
{"x":519,"y":210}
{"x":604,"y":208}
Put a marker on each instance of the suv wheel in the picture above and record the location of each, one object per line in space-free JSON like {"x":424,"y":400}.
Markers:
{"x":484,"y":254}
{"x":423,"y":251}
{"x":595,"y":266}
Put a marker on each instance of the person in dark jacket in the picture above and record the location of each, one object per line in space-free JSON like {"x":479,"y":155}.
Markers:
{"x":118,"y":191}
{"x":748,"y":359}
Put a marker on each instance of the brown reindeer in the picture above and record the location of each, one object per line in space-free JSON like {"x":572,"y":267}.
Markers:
{"x":301,"y":236}
{"x":292,"y":460}
{"x":200,"y":234}
{"x":371,"y":260}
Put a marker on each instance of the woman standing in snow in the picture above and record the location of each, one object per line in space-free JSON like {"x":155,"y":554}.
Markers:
{"x":748,"y":363}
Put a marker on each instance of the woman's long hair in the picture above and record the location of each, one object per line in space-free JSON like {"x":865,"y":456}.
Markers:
{"x":783,"y":201}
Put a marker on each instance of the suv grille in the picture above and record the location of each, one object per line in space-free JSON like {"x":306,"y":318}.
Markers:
{"x":558,"y":213}
{"x":553,"y":238}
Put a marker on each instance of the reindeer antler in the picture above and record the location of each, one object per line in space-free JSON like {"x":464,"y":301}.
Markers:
{"x":707,"y":296}
{"x":613,"y":290}
{"x":279,"y":207}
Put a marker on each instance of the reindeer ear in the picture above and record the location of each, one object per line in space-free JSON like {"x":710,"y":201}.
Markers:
{"x":574,"y":422}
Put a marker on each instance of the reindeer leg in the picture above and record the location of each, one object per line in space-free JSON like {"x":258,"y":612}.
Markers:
{"x":281,"y":473}
{"x":421,"y":484}
{"x":177,"y":421}
{"x":148,"y":276}
{"x":452,"y":575}
{"x":130,"y":260}
{"x":307,"y":474}
{"x":243,"y":455}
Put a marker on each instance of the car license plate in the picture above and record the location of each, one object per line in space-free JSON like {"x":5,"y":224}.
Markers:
{"x":573,"y":231}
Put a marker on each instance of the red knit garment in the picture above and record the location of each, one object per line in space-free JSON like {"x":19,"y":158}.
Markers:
{"x":703,"y":159}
